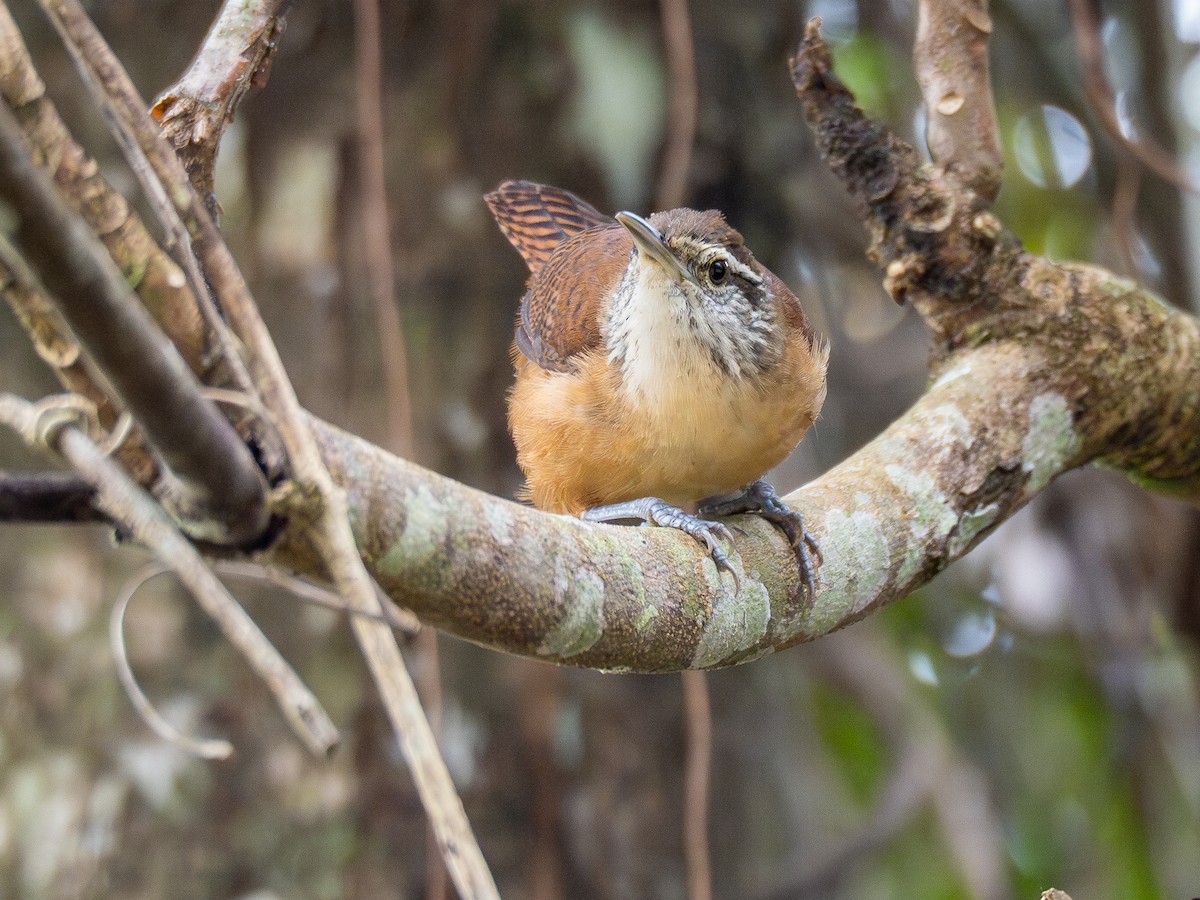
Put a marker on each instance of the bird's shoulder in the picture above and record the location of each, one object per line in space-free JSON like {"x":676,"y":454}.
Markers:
{"x":560,"y":315}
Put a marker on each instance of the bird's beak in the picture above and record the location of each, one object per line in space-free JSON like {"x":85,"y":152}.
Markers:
{"x":650,"y":243}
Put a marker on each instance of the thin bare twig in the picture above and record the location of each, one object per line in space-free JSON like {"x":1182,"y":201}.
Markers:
{"x":320,"y":502}
{"x":950,"y":59}
{"x":697,"y":711}
{"x":395,"y":616}
{"x":56,"y":427}
{"x":182,"y":306}
{"x":218,"y":478}
{"x":684,"y":102}
{"x":376,"y":225}
{"x":429,"y":686}
{"x":49,"y":332}
{"x":381,"y":281}
{"x":163,"y":176}
{"x":1100,"y":94}
{"x":234,"y":59}
{"x":540,"y":689}
{"x":60,"y":350}
{"x":1124,"y":211}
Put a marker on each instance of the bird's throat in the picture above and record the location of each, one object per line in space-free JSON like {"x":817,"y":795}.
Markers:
{"x":668,"y":344}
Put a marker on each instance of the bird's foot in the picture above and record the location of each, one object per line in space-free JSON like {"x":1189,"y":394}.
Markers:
{"x":759,"y":497}
{"x":657,"y":511}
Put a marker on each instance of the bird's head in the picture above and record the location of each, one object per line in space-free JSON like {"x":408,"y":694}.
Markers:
{"x":698,"y":267}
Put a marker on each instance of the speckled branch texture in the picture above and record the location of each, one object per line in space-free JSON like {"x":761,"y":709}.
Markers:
{"x":1038,"y":367}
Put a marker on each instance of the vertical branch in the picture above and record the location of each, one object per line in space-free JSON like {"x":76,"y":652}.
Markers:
{"x":540,"y":689}
{"x":1124,"y":210}
{"x":697,"y":711}
{"x":950,"y":58}
{"x":377,"y":233}
{"x":381,"y":280}
{"x":681,"y":113}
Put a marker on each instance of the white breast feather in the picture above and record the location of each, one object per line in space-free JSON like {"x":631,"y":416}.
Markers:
{"x":675,"y":379}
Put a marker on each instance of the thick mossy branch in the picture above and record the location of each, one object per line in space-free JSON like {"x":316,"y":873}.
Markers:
{"x":995,"y":428}
{"x":1001,"y":420}
{"x":1038,"y":367}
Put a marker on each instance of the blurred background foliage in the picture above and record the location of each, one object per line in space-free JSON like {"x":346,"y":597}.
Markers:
{"x":1029,"y":719}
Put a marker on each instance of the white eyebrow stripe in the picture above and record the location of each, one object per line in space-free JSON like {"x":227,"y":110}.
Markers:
{"x":709,"y":252}
{"x":745,"y":271}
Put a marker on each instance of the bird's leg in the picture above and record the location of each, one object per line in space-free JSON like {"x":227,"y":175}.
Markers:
{"x":659,"y":512}
{"x":759,"y":497}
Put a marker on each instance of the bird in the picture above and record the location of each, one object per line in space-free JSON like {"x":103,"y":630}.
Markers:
{"x":661,"y":370}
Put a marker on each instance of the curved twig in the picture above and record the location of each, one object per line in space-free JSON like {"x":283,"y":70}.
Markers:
{"x":1100,"y":94}
{"x":204,"y":748}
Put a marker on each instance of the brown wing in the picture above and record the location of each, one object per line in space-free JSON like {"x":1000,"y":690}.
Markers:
{"x":536,"y":218}
{"x":560,"y":313}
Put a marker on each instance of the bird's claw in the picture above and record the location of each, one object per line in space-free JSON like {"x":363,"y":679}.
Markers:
{"x":761,"y":498}
{"x":659,"y":512}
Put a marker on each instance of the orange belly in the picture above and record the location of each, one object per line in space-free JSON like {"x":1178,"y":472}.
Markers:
{"x":582,"y":441}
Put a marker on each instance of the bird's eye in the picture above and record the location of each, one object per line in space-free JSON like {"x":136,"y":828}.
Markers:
{"x":717,"y":270}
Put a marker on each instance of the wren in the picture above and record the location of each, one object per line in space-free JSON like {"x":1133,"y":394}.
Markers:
{"x":658,"y":365}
